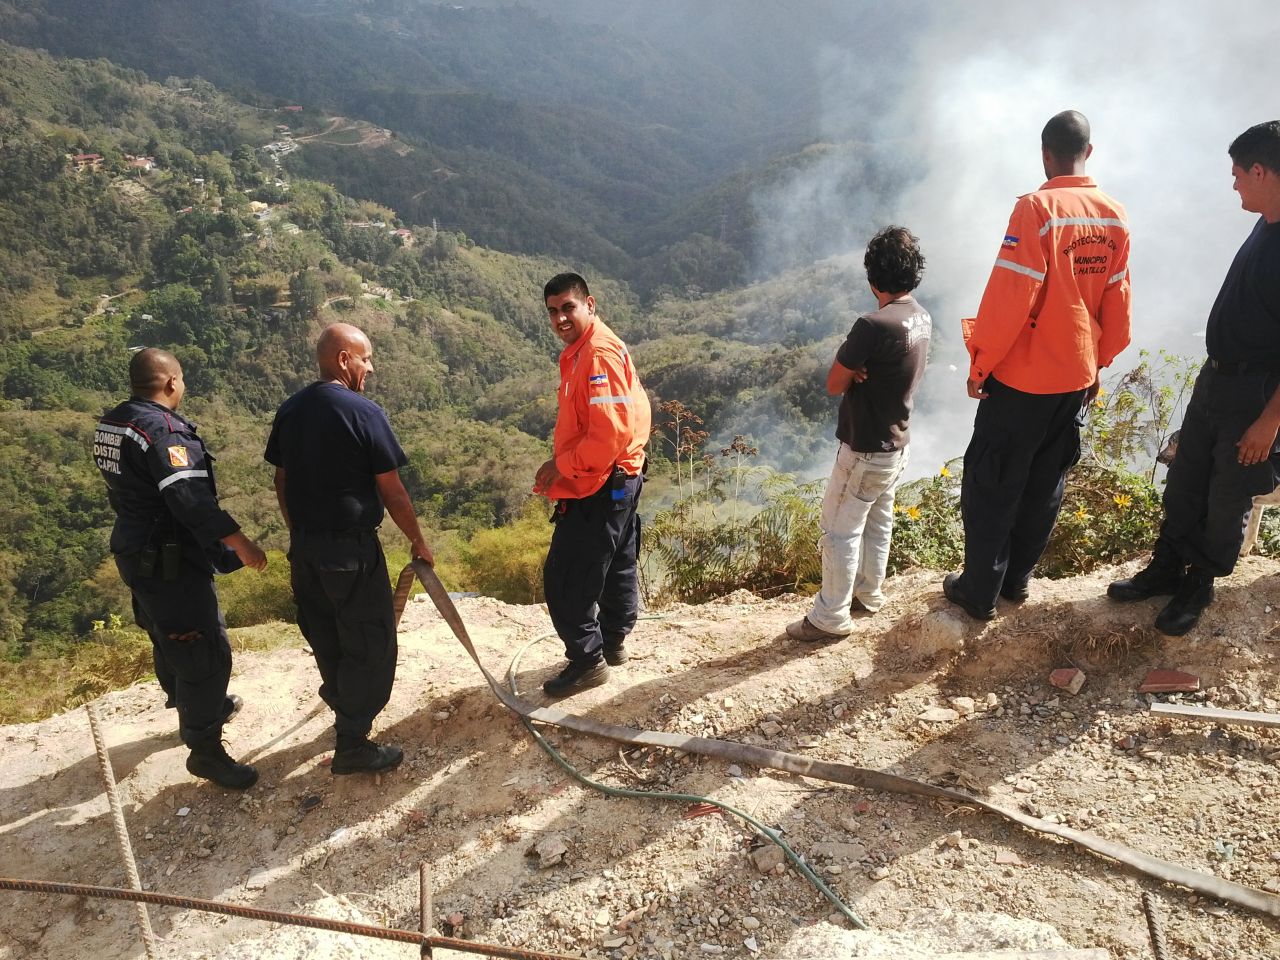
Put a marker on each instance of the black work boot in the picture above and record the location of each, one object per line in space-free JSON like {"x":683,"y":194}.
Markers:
{"x":576,"y":676}
{"x":231,"y":705}
{"x":1161,"y":577}
{"x":362,"y":755}
{"x":210,"y":761}
{"x":1194,"y":594}
{"x":952,"y":590}
{"x":615,"y":651}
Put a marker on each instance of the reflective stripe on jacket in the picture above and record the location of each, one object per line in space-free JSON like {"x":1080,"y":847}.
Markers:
{"x":602,"y":415}
{"x":1057,"y":307}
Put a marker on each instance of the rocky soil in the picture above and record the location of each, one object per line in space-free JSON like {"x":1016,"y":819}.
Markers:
{"x":521,"y":854}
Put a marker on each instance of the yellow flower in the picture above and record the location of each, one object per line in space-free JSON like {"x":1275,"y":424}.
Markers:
{"x":1082,"y":514}
{"x":913,"y":513}
{"x":1122,"y":500}
{"x":944,"y":472}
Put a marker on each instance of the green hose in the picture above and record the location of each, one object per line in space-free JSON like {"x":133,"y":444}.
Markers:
{"x":763,"y":828}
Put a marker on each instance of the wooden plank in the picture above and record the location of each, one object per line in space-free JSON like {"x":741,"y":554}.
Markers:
{"x":1245,"y":718}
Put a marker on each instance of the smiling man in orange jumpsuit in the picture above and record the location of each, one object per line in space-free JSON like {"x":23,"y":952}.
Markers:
{"x":595,"y":477}
{"x":1055,"y":311}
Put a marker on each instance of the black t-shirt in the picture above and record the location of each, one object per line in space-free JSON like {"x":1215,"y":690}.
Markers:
{"x":331,"y":442}
{"x":893,"y":344}
{"x":1244,"y":324}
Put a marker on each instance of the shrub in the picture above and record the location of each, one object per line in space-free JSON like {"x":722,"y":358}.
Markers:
{"x":249,"y":598}
{"x":767,"y":545}
{"x":506,"y":562}
{"x":927,"y":529}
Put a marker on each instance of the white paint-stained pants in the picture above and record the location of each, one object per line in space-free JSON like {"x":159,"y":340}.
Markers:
{"x":857,"y":522}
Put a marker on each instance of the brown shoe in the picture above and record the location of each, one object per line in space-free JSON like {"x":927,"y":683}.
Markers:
{"x":806,"y":631}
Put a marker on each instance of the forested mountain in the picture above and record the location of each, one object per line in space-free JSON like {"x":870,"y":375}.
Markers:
{"x":533,"y":129}
{"x":135,"y":212}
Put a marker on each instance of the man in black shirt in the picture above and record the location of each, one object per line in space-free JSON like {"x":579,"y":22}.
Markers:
{"x":337,"y":464}
{"x":877,"y":369}
{"x":1227,"y":452}
{"x":169,"y":538}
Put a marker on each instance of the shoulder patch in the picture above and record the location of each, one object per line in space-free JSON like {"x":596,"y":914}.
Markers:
{"x":598,"y":379}
{"x":178,"y":457}
{"x":1010,"y":242}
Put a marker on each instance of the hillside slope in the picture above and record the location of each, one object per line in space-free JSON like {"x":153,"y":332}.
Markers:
{"x":639,"y":879}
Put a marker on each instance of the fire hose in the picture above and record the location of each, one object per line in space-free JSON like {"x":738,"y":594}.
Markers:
{"x":848,"y":774}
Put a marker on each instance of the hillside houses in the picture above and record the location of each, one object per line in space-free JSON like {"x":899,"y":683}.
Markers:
{"x":85,"y":161}
{"x":281,"y":148}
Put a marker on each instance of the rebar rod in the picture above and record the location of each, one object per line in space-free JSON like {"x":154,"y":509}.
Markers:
{"x":276,"y":916}
{"x":121,"y":828}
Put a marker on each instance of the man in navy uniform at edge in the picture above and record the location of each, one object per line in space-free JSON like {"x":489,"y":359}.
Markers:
{"x":169,"y":538}
{"x":337,"y":464}
{"x":1227,"y":449}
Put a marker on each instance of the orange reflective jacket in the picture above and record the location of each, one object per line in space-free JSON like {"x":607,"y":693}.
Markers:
{"x":602,"y":417}
{"x":1056,"y":309}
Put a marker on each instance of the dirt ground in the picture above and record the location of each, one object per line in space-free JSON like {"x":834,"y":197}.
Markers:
{"x":637,"y":877}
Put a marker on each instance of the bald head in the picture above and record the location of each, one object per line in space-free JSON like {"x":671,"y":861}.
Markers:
{"x":344,"y":354}
{"x":1066,"y":136}
{"x":150,"y":370}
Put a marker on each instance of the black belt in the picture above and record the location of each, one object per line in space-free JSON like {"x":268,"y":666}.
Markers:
{"x":1232,"y":369}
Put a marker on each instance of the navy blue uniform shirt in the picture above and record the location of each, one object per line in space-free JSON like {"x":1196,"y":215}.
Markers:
{"x":332,"y":442}
{"x":160,"y":484}
{"x":1244,"y":324}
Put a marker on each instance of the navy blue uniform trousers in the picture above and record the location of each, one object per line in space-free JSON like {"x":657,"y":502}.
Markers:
{"x":188,"y":642}
{"x":590,"y":578}
{"x":1208,"y":493}
{"x":347,"y":615}
{"x":1015,"y":471}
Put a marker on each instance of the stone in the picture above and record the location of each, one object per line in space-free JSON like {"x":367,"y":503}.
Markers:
{"x":938,"y":715}
{"x":614,"y":943}
{"x":840,"y":851}
{"x":1069,"y":679}
{"x":1169,"y":681}
{"x":549,"y":851}
{"x":938,"y":632}
{"x":257,"y":879}
{"x":1007,"y":858}
{"x":751,"y":923}
{"x":770,"y":729}
{"x":879,"y":873}
{"x":963,"y":705}
{"x":768,"y":858}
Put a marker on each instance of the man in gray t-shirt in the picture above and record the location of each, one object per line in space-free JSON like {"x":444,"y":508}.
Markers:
{"x":877,"y":369}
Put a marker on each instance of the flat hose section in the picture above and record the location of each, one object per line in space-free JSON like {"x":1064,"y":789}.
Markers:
{"x":742,"y":753}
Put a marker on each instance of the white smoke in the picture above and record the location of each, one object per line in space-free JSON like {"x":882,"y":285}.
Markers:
{"x":1166,"y":87}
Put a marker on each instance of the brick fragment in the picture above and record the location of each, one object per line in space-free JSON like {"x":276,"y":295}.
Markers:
{"x":1170,"y":681}
{"x":1069,"y":679}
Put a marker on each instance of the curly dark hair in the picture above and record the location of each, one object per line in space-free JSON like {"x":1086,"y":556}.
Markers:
{"x":893,"y":260}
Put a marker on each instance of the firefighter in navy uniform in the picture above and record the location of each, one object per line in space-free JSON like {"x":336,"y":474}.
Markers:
{"x":338,"y":466}
{"x":169,"y":538}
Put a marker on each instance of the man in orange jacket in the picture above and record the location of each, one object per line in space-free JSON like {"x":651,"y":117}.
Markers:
{"x":1056,"y":310}
{"x":595,"y":476}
